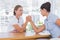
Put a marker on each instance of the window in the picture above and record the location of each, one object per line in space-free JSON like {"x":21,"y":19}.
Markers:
{"x":31,"y":7}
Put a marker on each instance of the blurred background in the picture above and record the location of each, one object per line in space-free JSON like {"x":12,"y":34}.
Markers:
{"x":30,"y":7}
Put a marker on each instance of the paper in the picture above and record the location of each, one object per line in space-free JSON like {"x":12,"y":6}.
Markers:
{"x":29,"y":33}
{"x":55,"y":39}
{"x":44,"y":33}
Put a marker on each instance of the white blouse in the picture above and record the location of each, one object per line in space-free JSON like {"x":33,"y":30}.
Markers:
{"x":14,"y":20}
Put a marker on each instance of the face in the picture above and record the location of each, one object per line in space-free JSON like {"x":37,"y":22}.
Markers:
{"x":19,"y":11}
{"x":43,"y":12}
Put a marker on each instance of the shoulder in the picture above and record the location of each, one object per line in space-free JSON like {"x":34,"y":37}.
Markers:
{"x":13,"y":20}
{"x":12,"y":17}
{"x":52,"y":17}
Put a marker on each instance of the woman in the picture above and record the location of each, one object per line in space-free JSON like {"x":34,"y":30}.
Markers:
{"x":17,"y":21}
{"x":52,"y":22}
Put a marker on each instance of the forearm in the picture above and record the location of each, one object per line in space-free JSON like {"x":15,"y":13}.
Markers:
{"x":18,"y":28}
{"x":34,"y":26}
{"x":24,"y":26}
{"x":37,"y":30}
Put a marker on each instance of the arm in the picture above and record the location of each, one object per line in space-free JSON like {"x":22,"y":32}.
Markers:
{"x":17,"y":27}
{"x":24,"y":26}
{"x":37,"y":30}
{"x":20,"y":29}
{"x":58,"y":22}
{"x":59,"y":37}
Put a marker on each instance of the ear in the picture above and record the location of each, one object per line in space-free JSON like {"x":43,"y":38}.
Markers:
{"x":15,"y":11}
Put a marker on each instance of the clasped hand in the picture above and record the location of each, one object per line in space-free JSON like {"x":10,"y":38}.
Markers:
{"x":28,"y":18}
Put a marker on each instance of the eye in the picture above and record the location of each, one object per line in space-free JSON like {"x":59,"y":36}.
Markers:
{"x":21,"y":10}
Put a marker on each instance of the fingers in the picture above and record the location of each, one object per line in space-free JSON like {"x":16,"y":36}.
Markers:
{"x":59,"y":37}
{"x":28,"y":18}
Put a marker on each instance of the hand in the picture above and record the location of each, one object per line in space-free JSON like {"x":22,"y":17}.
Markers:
{"x":28,"y":18}
{"x":59,"y":37}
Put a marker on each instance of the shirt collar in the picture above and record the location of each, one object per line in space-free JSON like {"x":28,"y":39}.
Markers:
{"x":49,"y":15}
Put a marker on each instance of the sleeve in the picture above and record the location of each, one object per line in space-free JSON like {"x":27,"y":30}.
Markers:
{"x":53,"y":18}
{"x":13,"y":21}
{"x":49,"y":24}
{"x":46,"y":24}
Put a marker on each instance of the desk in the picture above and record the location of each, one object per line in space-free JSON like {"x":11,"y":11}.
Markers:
{"x":20,"y":36}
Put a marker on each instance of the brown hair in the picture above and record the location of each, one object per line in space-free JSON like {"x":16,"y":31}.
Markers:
{"x":16,"y":8}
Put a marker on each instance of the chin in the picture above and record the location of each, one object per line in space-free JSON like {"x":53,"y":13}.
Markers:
{"x":20,"y":14}
{"x":42,"y":15}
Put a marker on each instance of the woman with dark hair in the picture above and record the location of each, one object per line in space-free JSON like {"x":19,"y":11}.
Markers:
{"x":17,"y":20}
{"x":51,"y":23}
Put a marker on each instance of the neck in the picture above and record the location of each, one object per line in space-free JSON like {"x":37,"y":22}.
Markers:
{"x":17,"y":16}
{"x":47,"y":14}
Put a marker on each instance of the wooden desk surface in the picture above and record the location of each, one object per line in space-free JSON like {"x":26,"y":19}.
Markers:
{"x":20,"y":36}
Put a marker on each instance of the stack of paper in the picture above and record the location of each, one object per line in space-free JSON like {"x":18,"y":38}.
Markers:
{"x":29,"y":33}
{"x":44,"y":33}
{"x":55,"y":39}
